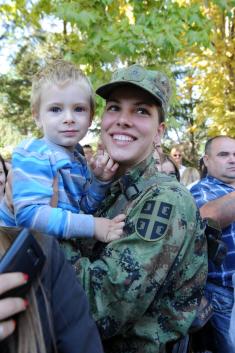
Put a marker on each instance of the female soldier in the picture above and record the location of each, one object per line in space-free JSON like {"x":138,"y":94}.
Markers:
{"x":145,"y":287}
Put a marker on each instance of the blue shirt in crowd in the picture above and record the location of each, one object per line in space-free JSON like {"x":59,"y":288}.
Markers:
{"x":208,"y":189}
{"x":36,"y":163}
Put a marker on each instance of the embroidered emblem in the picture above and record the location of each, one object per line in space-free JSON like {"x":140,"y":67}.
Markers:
{"x":142,"y":226}
{"x":153,"y":220}
{"x":165,"y":210}
{"x":148,"y":207}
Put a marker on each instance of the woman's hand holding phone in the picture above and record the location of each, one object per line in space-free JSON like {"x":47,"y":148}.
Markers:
{"x":10,"y":306}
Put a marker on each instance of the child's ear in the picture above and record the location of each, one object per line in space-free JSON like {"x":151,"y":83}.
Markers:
{"x":36,"y":118}
{"x":91,"y":117}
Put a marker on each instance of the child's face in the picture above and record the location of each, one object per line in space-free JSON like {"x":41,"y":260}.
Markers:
{"x":64,"y":113}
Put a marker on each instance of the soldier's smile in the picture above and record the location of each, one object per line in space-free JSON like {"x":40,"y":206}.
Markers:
{"x":123,"y":139}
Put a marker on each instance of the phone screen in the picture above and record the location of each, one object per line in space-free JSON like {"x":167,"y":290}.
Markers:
{"x":24,"y":255}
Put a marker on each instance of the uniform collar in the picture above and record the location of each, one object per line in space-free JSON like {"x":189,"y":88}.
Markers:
{"x":127,"y":183}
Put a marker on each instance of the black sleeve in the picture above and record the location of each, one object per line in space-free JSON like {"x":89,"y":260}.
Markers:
{"x":75,"y":330}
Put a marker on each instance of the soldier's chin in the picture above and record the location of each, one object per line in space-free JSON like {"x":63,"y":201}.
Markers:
{"x":119,"y":157}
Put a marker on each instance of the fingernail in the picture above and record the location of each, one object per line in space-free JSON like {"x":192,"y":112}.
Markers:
{"x":26,"y":277}
{"x":26,"y":303}
{"x":14,"y":323}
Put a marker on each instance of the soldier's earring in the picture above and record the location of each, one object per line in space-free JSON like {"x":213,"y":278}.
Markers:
{"x":156,"y":146}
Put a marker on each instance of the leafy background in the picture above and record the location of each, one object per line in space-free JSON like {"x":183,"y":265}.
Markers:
{"x":192,"y":41}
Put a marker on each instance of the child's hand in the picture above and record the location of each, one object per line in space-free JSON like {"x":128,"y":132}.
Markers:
{"x":107,"y":230}
{"x":103,"y":167}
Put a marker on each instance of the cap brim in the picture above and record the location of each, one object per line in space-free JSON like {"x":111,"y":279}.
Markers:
{"x":105,"y":90}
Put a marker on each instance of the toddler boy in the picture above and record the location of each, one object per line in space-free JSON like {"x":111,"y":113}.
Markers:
{"x":62,"y":103}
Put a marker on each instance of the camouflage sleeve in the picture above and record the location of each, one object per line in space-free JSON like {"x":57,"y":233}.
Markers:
{"x":153,"y":276}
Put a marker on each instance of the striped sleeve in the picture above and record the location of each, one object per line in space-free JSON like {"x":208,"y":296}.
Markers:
{"x":33,"y":177}
{"x":199,"y":194}
{"x":94,"y":195}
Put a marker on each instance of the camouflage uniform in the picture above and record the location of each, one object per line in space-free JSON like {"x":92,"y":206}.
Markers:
{"x":144,"y":288}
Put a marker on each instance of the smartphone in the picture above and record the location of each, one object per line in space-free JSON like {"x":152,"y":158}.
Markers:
{"x":24,"y":255}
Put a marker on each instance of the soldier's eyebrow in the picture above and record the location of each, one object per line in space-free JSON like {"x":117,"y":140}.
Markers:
{"x":149,"y":102}
{"x":108,"y":100}
{"x":145,"y":102}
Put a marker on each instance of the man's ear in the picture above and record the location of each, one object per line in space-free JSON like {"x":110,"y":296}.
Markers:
{"x":205,"y":160}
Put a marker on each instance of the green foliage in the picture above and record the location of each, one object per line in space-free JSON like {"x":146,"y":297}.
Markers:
{"x":10,"y":137}
{"x":214,"y":75}
{"x":102,"y":35}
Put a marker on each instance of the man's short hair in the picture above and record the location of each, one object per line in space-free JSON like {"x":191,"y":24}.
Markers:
{"x":209,"y":142}
{"x":59,"y":72}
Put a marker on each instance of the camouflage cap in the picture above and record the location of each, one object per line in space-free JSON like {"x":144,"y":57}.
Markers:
{"x":154,"y":82}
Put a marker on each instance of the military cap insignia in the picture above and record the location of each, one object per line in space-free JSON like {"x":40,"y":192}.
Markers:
{"x":153,"y":220}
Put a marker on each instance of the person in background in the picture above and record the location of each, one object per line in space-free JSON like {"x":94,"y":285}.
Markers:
{"x":3,"y":176}
{"x":88,"y":152}
{"x":62,"y":103}
{"x":232,"y":321}
{"x":143,"y":288}
{"x":202,"y":168}
{"x":176,"y":154}
{"x":190,"y":177}
{"x":215,"y":198}
{"x":50,"y":319}
{"x":169,"y":167}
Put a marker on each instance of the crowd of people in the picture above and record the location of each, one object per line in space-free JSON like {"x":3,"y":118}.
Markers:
{"x":122,"y":230}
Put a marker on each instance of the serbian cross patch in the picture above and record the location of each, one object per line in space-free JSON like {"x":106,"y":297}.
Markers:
{"x":153,"y":220}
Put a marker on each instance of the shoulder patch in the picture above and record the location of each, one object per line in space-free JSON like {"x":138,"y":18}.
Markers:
{"x":153,"y":220}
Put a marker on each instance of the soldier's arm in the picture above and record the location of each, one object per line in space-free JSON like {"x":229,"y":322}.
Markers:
{"x":222,"y":210}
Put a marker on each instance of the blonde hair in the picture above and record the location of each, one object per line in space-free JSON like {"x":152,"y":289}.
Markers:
{"x":59,"y":72}
{"x":189,"y":175}
{"x":28,"y":336}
